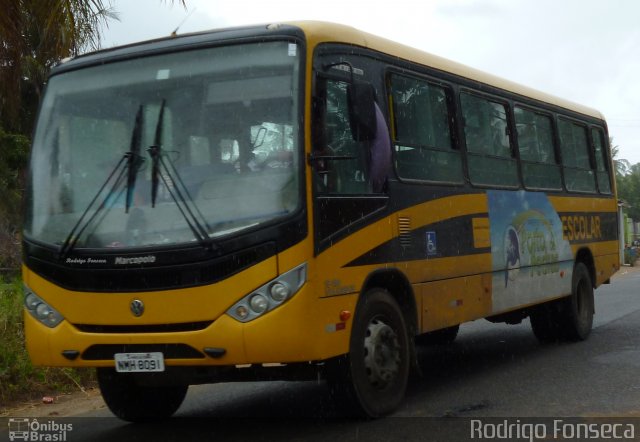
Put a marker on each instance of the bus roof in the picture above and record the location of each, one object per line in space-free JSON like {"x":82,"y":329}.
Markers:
{"x":317,"y":32}
{"x":324,"y":32}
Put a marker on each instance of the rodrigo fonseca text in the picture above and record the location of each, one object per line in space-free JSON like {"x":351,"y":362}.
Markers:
{"x":552,"y":429}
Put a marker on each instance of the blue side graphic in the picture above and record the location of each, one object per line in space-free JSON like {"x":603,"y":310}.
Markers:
{"x":531,"y":260}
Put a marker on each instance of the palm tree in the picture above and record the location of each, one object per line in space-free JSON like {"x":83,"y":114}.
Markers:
{"x":36,"y":34}
{"x":620,"y":165}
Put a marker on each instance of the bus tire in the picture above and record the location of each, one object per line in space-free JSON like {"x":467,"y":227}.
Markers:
{"x":570,"y":318}
{"x":373,"y":378}
{"x":137,"y":403}
{"x":581,"y":305}
{"x":443,"y":336}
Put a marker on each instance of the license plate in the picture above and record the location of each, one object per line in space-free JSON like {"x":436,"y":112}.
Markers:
{"x":139,"y":362}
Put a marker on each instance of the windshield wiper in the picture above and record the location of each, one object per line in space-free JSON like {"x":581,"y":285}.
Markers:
{"x":133,"y":162}
{"x":175,"y":186}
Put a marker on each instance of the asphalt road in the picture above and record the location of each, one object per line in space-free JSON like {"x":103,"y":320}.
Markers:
{"x":492,"y":370}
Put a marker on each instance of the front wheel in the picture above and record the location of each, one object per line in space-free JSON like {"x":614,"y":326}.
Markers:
{"x":137,"y":403}
{"x":375,"y":373}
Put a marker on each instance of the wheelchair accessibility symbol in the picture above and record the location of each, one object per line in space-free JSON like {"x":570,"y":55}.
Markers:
{"x":432,"y":248}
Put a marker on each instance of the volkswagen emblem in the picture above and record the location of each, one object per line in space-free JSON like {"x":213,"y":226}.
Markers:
{"x":137,"y":307}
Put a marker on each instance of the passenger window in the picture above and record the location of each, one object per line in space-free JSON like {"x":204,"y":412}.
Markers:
{"x":537,"y":154}
{"x":422,"y":135}
{"x":486,"y":132}
{"x":602,"y":160}
{"x":574,"y":146}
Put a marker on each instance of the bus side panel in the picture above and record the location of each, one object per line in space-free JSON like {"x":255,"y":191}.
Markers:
{"x":454,"y":301}
{"x":592,"y":224}
{"x":606,"y":266}
{"x":306,"y":328}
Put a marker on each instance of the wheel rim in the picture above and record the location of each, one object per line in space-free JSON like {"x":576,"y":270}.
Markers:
{"x":381,"y":353}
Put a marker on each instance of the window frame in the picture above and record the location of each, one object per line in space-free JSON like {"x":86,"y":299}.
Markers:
{"x":468,"y":155}
{"x":555,"y":141}
{"x":606,"y":160}
{"x":590,"y":152}
{"x":320,"y":81}
{"x":452,"y":115}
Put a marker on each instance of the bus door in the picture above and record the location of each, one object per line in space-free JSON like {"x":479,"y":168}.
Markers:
{"x":350,"y":162}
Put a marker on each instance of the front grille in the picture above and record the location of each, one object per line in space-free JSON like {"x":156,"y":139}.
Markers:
{"x":152,"y":328}
{"x":101,"y":352}
{"x":160,"y":277}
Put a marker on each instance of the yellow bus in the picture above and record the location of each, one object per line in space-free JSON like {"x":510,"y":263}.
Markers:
{"x":298,"y":200}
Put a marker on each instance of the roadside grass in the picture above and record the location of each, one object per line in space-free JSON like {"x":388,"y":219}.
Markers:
{"x":19,"y":379}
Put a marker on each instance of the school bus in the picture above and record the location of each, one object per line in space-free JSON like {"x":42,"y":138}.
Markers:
{"x":293,"y":200}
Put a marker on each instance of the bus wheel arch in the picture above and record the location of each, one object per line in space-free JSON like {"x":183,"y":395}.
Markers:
{"x":398,"y":286}
{"x":585,"y":257}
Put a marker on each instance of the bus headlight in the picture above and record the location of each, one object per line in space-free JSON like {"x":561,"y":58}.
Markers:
{"x":40,"y":310}
{"x":270,"y":296}
{"x":259,"y":304}
{"x":279,"y":291}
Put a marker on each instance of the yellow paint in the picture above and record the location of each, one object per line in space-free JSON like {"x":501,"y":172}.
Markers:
{"x":451,"y":302}
{"x":296,"y":331}
{"x":481,"y":233}
{"x":573,"y":204}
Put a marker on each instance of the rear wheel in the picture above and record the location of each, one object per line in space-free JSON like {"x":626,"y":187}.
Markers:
{"x":568,"y":319}
{"x":137,"y":403}
{"x":374,"y":375}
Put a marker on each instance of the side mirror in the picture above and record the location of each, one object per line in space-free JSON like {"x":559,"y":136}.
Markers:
{"x":362,"y":113}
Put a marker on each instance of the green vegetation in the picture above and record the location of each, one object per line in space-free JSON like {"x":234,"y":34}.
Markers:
{"x":19,"y":379}
{"x":13,"y":159}
{"x":629,"y":190}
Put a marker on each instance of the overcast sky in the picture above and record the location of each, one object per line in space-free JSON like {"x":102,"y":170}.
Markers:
{"x":587,"y":51}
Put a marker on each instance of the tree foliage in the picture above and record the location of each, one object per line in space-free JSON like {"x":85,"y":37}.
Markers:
{"x":627,"y":182}
{"x":629,"y":190}
{"x":620,"y":165}
{"x":35,"y":35}
{"x":13,"y":158}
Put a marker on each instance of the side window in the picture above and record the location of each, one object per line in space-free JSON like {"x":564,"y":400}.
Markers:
{"x":422,"y":135}
{"x":345,"y":166}
{"x":602,"y":160}
{"x":486,"y":132}
{"x":537,"y":153}
{"x":574,"y":145}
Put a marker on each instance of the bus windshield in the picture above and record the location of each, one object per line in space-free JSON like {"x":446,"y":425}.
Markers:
{"x":131,"y":152}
